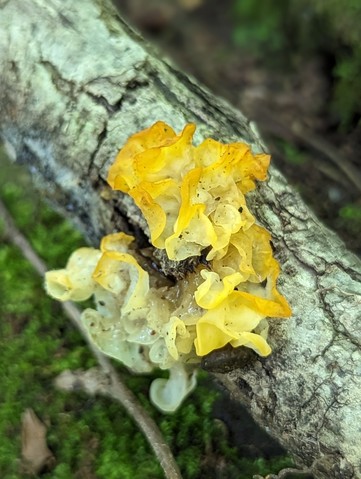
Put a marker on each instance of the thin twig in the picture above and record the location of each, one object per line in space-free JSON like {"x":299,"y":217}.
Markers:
{"x":19,"y":240}
{"x":269,"y":122}
{"x":329,"y":151}
{"x":115,"y":387}
{"x":288,"y":473}
{"x":291,"y":472}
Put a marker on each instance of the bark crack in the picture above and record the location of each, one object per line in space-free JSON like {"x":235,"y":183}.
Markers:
{"x":63,"y":85}
{"x":102,"y":136}
{"x":330,"y":315}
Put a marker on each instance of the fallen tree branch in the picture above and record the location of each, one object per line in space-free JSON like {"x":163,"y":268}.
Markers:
{"x":76,"y":83}
{"x":105,"y":380}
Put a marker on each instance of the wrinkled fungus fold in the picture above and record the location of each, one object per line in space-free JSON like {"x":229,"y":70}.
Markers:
{"x":193,"y":199}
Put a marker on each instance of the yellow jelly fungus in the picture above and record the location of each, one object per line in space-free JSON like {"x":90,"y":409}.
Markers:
{"x":191,"y":196}
{"x":193,"y":199}
{"x":173,"y":330}
{"x":227,"y":323}
{"x":74,"y":283}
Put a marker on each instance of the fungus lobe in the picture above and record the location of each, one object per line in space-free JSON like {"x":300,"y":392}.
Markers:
{"x":194,"y":201}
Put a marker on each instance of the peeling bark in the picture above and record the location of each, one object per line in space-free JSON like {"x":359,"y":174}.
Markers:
{"x":76,"y":81}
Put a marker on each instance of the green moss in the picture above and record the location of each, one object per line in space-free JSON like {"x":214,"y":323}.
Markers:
{"x":292,"y":154}
{"x":349,"y":219}
{"x":344,"y":17}
{"x":346,"y":96}
{"x":260,"y":27}
{"x":277,"y":32}
{"x":37,"y":342}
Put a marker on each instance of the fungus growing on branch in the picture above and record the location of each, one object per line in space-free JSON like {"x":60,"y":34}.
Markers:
{"x":193,"y":199}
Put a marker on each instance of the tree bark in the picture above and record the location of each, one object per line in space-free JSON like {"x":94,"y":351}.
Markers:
{"x":76,"y":81}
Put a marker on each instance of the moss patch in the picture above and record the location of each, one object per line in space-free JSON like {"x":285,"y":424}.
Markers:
{"x":90,"y":437}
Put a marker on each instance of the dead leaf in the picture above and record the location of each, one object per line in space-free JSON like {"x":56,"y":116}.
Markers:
{"x":35,"y":453}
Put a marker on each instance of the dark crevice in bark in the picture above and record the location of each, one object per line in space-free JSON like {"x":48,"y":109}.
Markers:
{"x":234,"y":128}
{"x":165,"y":91}
{"x":102,"y":136}
{"x":63,"y":85}
{"x":102,"y":101}
{"x":351,"y":272}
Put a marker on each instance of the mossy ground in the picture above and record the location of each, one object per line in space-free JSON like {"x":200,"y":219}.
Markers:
{"x":90,"y":437}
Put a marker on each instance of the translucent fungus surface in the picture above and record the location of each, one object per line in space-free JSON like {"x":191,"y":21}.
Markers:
{"x":193,"y":198}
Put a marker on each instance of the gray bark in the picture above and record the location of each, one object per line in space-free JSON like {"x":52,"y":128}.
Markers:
{"x":76,"y":81}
